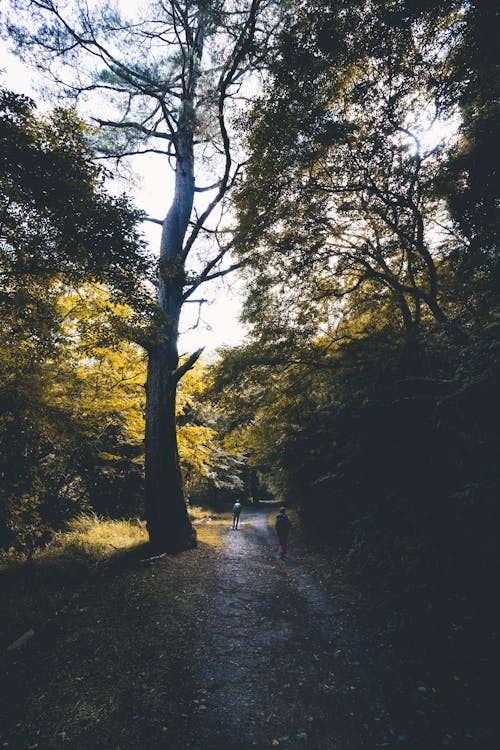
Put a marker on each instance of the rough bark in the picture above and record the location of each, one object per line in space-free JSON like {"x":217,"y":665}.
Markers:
{"x":168,"y":522}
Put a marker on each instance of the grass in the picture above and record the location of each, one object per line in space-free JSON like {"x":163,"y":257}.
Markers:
{"x":209,"y":525}
{"x":106,"y":663}
{"x":96,"y":538}
{"x":87,"y":538}
{"x":33,"y":590}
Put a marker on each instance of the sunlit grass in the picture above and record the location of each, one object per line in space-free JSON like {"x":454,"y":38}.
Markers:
{"x":197,"y":513}
{"x":86,"y":539}
{"x":34,"y":589}
{"x":209,"y":525}
{"x":96,"y":538}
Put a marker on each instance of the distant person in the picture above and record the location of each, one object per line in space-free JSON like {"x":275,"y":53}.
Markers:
{"x":236,"y":514}
{"x":283,"y":527}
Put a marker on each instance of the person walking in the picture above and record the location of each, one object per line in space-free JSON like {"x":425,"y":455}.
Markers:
{"x":236,"y":514}
{"x":283,"y":527}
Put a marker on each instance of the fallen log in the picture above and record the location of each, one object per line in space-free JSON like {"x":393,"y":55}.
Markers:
{"x":21,"y":641}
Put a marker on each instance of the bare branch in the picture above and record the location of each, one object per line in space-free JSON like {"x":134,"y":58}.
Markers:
{"x":139,"y":152}
{"x":225,"y":272}
{"x":207,"y":188}
{"x":133,"y":126}
{"x":187,"y":365}
{"x":206,"y":273}
{"x":226,"y":79}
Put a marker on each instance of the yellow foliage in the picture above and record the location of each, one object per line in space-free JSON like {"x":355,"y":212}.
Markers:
{"x":196,"y":442}
{"x":98,"y":379}
{"x":111,"y":370}
{"x":192,"y":384}
{"x":195,"y":446}
{"x":114,"y":374}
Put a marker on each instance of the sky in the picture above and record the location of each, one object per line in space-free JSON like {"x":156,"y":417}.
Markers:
{"x":151,"y":190}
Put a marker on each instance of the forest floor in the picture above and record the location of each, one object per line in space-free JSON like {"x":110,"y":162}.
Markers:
{"x":224,"y":647}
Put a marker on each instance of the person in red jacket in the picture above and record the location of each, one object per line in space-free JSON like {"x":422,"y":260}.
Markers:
{"x":283,"y":527}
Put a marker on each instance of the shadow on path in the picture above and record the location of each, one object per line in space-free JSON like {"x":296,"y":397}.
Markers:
{"x":220,"y":648}
{"x":275,"y":664}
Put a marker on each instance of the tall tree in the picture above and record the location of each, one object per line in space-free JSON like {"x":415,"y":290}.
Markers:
{"x":171,"y":76}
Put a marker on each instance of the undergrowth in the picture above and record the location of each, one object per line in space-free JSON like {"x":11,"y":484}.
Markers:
{"x":36,"y":588}
{"x":87,"y":537}
{"x":96,"y":538}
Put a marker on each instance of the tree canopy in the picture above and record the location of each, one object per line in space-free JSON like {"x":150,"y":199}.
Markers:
{"x":366,"y":230}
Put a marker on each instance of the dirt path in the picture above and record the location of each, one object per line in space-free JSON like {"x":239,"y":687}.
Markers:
{"x":277,"y":666}
{"x":221,"y":648}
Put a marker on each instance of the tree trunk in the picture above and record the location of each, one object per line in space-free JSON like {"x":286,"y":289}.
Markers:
{"x":168,"y":522}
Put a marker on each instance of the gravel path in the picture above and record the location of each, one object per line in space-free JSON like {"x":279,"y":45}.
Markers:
{"x":220,"y":648}
{"x":276,"y":665}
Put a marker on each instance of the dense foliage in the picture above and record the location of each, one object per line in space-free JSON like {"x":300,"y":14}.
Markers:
{"x":64,"y":241}
{"x":368,"y":225}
